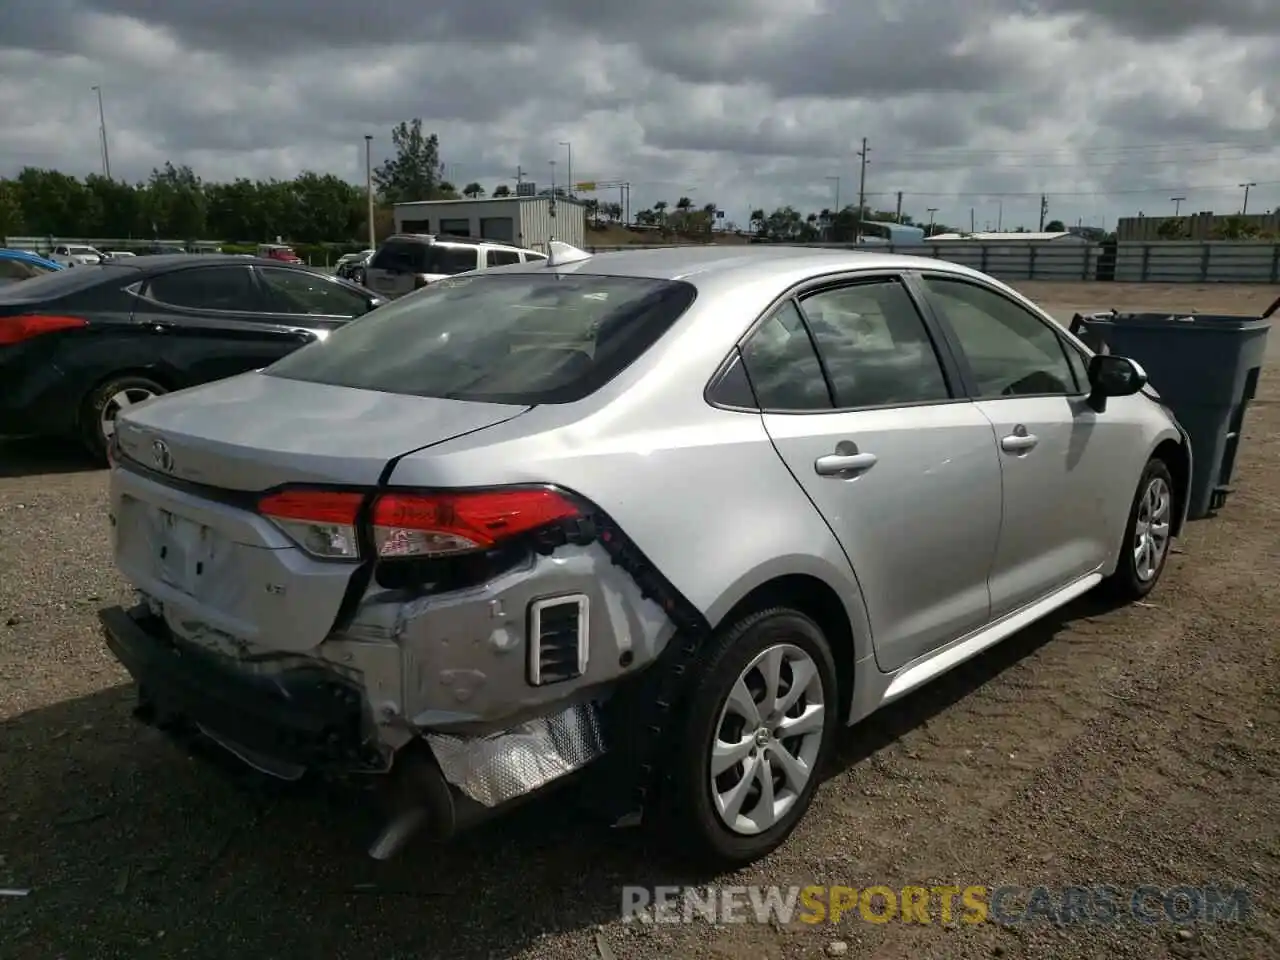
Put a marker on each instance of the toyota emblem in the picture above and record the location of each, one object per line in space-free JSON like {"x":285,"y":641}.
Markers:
{"x":161,"y":455}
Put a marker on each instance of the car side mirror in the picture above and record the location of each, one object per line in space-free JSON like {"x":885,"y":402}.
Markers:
{"x":1111,"y":376}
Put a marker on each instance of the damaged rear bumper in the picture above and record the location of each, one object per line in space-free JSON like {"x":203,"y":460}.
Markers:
{"x":312,"y":718}
{"x":305,"y":716}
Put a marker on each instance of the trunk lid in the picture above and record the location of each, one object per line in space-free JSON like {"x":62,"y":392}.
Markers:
{"x":224,"y":576}
{"x":254,"y":431}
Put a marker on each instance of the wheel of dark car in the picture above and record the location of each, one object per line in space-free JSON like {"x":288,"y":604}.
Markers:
{"x":757,"y":731}
{"x":98,"y":419}
{"x":1147,"y":536}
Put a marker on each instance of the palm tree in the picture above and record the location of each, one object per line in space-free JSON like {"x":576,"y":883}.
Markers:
{"x":660,"y":208}
{"x":473,"y":191}
{"x":683,"y":204}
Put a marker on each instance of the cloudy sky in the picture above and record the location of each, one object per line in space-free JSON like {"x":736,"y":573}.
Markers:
{"x":1108,"y":106}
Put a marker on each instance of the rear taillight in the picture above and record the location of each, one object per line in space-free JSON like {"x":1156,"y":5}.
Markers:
{"x":440,"y":524}
{"x":17,"y":329}
{"x":321,"y":522}
{"x":410,"y":524}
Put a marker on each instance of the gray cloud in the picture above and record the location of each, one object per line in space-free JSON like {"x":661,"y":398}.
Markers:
{"x":1108,"y":107}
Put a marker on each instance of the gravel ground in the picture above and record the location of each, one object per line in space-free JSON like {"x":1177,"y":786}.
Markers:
{"x":1122,"y":746}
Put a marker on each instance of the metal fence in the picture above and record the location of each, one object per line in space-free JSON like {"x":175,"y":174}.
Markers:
{"x":1128,"y":262}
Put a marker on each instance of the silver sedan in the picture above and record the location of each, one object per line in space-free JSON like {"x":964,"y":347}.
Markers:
{"x":671,"y":515}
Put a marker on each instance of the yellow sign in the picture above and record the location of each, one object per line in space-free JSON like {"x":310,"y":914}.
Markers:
{"x":586,"y":186}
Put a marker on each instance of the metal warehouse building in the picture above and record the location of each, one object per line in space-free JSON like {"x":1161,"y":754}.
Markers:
{"x":524,"y":221}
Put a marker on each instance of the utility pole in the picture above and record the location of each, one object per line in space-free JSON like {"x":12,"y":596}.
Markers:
{"x":1243,"y":209}
{"x":519,"y":175}
{"x":1000,"y":216}
{"x":102,"y":133}
{"x":862,"y":191}
{"x":931,"y":211}
{"x":628,"y":204}
{"x":835,"y":211}
{"x":973,"y":226}
{"x":898,"y":216}
{"x":569,"y":173}
{"x":1177,"y":204}
{"x":1044,"y":210}
{"x":368,"y":187}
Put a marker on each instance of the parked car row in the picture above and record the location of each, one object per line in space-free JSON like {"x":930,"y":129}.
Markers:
{"x":78,"y":346}
{"x":675,"y":514}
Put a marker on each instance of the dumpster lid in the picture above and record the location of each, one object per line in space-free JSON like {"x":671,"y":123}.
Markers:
{"x":1182,"y":321}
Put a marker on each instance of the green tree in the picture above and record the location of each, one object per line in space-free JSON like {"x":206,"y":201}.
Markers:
{"x":1055,"y":226}
{"x":473,"y":191}
{"x":415,"y":172}
{"x":502,"y":190}
{"x":11,"y":222}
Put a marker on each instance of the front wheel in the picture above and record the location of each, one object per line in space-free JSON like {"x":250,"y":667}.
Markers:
{"x":98,"y":418}
{"x":758,"y":729}
{"x":1147,"y":537}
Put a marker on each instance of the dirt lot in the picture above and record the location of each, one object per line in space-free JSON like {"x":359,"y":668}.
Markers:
{"x":1121,"y":747}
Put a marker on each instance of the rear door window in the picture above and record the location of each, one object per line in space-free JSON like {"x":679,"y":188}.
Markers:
{"x":518,"y":338}
{"x":207,"y":288}
{"x":501,"y":258}
{"x":875,"y":345}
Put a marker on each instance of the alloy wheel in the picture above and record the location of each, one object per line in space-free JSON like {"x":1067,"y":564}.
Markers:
{"x":118,"y":401}
{"x":1151,"y":531}
{"x":767,"y":740}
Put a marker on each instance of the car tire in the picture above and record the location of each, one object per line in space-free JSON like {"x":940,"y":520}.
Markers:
{"x":694,"y":816}
{"x":1144,"y":551}
{"x":98,"y":415}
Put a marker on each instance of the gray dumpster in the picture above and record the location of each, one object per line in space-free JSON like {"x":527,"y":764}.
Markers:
{"x":1205,"y":367}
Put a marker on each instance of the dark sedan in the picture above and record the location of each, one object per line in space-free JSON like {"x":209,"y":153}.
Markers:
{"x":77,"y":346}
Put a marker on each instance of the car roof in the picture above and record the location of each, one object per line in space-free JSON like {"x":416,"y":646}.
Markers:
{"x":145,"y":262}
{"x":446,"y":240}
{"x":712,"y":264}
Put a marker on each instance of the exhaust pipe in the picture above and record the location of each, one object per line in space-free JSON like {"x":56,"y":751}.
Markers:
{"x":418,"y":800}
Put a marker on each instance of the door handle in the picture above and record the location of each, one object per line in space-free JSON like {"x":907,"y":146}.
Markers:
{"x":844,"y":464}
{"x":1018,"y":442}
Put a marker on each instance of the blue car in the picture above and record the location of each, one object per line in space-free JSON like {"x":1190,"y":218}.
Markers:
{"x":21,"y":265}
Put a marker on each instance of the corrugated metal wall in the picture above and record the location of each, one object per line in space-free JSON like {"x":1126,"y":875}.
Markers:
{"x":538,"y":226}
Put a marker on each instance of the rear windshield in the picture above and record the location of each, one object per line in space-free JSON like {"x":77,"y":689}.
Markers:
{"x":514,"y":338}
{"x":409,"y":256}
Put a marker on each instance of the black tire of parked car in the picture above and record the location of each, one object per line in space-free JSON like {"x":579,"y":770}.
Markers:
{"x":91,"y":433}
{"x":687,"y":822}
{"x":1125,"y":585}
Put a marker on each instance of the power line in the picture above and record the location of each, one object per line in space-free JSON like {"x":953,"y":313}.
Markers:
{"x":912,"y":165}
{"x":1159,"y":189}
{"x":1261,"y":145}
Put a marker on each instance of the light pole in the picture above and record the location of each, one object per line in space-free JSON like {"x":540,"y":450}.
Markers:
{"x":102,"y":133}
{"x":1245,"y":208}
{"x":569,"y":172}
{"x":368,"y":186}
{"x":931,"y":211}
{"x":835,"y":210}
{"x":1177,"y":205}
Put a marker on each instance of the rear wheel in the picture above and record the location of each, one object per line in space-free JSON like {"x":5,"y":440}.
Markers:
{"x":1147,"y":537}
{"x":756,"y":733}
{"x":104,"y":404}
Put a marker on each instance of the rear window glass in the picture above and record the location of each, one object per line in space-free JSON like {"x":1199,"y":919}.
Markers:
{"x":521,"y":338}
{"x":408,"y":256}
